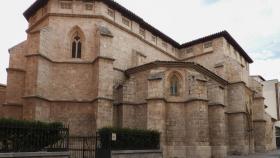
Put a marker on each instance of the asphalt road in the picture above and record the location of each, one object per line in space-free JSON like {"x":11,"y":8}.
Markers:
{"x":275,"y":154}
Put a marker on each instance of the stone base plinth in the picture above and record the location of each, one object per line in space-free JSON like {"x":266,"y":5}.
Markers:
{"x":260,"y":148}
{"x":239,"y":150}
{"x":36,"y":155}
{"x":219,"y":151}
{"x":137,"y":154}
{"x":198,"y":151}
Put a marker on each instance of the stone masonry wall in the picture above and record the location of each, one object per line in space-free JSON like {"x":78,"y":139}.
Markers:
{"x":56,"y":77}
{"x":183,"y":124}
{"x":46,"y":83}
{"x":145,"y":43}
{"x":212,"y":58}
{"x":270,"y":138}
{"x":238,"y":144}
{"x":217,"y":130}
{"x":2,"y":98}
{"x":221,"y":59}
{"x":176,"y":130}
{"x":81,"y":121}
{"x":217,"y":119}
{"x":16,"y":77}
{"x":236,"y":100}
{"x":133,"y":116}
{"x":197,"y":130}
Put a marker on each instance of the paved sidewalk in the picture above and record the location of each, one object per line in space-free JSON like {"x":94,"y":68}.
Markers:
{"x":275,"y":154}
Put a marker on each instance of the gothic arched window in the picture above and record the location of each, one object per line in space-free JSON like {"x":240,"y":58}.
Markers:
{"x":174,"y":86}
{"x":76,"y":47}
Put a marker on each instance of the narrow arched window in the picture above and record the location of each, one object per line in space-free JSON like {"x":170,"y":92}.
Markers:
{"x":174,"y":86}
{"x":76,"y":47}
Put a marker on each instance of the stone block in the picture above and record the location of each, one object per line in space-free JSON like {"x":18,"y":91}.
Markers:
{"x":198,"y":152}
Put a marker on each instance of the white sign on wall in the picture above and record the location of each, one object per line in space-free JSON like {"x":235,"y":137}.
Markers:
{"x":114,"y":137}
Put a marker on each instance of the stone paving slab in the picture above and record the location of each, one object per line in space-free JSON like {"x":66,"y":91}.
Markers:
{"x":275,"y":154}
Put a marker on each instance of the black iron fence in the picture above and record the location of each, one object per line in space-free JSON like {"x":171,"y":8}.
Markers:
{"x":82,"y":147}
{"x":32,"y":139}
{"x":55,"y":138}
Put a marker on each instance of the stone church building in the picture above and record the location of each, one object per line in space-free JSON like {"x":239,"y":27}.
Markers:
{"x":91,"y":64}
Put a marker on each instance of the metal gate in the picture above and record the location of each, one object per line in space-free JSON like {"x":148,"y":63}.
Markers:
{"x":82,"y":147}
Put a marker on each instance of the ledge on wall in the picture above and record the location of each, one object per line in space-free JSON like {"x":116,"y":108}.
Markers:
{"x":36,"y":154}
{"x":137,"y":153}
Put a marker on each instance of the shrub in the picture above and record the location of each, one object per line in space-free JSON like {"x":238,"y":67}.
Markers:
{"x":129,"y":139}
{"x":28,"y":136}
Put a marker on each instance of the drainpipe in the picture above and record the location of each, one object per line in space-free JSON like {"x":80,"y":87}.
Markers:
{"x":277,"y":99}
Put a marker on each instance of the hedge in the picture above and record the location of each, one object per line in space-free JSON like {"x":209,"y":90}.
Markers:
{"x":28,"y":136}
{"x":129,"y":139}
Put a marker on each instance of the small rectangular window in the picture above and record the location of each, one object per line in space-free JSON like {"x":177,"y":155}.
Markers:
{"x":189,"y":50}
{"x":164,"y":44}
{"x":33,"y":18}
{"x":66,"y":5}
{"x":44,"y":10}
{"x":111,"y":13}
{"x":247,"y":66}
{"x":142,"y":32}
{"x":154,"y":38}
{"x":228,"y":45}
{"x":125,"y":21}
{"x":207,"y":44}
{"x":89,"y":6}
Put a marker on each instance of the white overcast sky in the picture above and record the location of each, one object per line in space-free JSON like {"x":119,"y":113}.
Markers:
{"x":255,"y":24}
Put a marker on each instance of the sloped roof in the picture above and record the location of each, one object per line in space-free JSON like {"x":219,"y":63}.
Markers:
{"x":125,"y":12}
{"x":34,"y":7}
{"x":258,"y":76}
{"x":193,"y":65}
{"x":224,"y":34}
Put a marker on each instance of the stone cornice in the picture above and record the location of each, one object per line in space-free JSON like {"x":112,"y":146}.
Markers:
{"x":217,"y":104}
{"x":183,"y":101}
{"x":192,"y":65}
{"x":120,"y":70}
{"x":244,"y":84}
{"x":196,"y":99}
{"x":71,"y":101}
{"x":129,"y":103}
{"x":259,"y":120}
{"x":238,"y":82}
{"x":258,"y":98}
{"x":128,"y":152}
{"x":188,"y":58}
{"x":36,"y":24}
{"x":15,"y":69}
{"x":160,"y":99}
{"x":69,"y":62}
{"x":156,"y":98}
{"x":13,"y":104}
{"x":236,"y":112}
